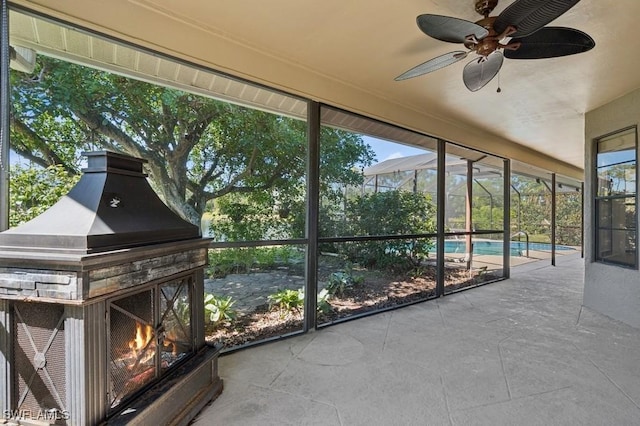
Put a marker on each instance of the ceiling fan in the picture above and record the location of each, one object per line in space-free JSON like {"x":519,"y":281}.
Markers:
{"x":519,"y":31}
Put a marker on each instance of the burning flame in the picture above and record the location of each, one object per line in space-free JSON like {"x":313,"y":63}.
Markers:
{"x":169,"y":341}
{"x":143,"y":348}
{"x":144,"y":334}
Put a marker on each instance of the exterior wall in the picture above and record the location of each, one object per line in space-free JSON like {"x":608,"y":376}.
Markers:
{"x":611,"y":290}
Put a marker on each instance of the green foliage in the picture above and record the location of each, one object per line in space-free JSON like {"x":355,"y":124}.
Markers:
{"x":229,"y":261}
{"x":534,"y":209}
{"x":219,"y":309}
{"x":257,"y":216}
{"x":243,"y":259}
{"x":34,"y":189}
{"x":340,"y":282}
{"x":287,"y":300}
{"x":535,"y":238}
{"x":290,"y":301}
{"x":487,"y":203}
{"x":323,"y":304}
{"x":485,"y":217}
{"x":390,"y":213}
{"x":281,"y":214}
{"x":569,"y":218}
{"x":198,"y":149}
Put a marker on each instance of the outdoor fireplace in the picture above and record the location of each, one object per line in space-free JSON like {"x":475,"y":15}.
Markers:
{"x":149,"y":332}
{"x":102,"y":310}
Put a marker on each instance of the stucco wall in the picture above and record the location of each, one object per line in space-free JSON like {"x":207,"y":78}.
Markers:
{"x":611,"y":290}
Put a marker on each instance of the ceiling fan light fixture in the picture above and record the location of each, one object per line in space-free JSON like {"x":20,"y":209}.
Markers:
{"x":523,"y":25}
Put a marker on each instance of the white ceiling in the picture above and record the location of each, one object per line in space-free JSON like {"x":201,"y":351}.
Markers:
{"x":332,"y":47}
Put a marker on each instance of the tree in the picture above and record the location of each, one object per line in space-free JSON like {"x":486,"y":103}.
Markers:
{"x":198,"y":149}
{"x":535,"y":207}
{"x":34,"y":189}
{"x":394,"y":212}
{"x":569,"y":218}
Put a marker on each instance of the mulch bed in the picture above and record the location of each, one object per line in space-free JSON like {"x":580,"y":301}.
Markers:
{"x":378,"y":291}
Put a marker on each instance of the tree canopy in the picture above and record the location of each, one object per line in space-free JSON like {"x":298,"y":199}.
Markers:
{"x":198,"y":149}
{"x":34,"y":189}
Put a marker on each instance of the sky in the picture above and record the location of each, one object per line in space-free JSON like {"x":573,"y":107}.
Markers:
{"x":387,"y":150}
{"x":384,"y":150}
{"x":13,"y":157}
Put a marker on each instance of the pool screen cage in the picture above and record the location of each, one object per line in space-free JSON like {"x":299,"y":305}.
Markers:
{"x":529,"y":187}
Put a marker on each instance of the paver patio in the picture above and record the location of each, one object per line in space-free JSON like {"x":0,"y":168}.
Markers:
{"x":517,"y":352}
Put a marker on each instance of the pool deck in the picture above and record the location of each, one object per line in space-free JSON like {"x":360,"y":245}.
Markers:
{"x":517,"y":352}
{"x":495,"y":262}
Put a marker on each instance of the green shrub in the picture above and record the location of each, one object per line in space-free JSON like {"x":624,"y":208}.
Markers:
{"x":390,"y":213}
{"x":219,"y":309}
{"x":323,"y":304}
{"x":288,"y":301}
{"x":243,"y":259}
{"x":230,"y":261}
{"x":342,"y":281}
{"x":258,"y":216}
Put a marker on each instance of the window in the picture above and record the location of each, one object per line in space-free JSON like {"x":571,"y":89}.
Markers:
{"x":377,"y":216}
{"x":616,"y":198}
{"x":221,"y":152}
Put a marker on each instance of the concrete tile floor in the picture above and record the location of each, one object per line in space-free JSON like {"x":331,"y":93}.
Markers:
{"x":517,"y":352}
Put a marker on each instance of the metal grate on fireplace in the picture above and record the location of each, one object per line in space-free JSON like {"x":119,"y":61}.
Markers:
{"x":39,"y":351}
{"x":150,"y":332}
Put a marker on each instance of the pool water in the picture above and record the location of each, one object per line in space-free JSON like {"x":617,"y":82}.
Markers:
{"x":518,"y":248}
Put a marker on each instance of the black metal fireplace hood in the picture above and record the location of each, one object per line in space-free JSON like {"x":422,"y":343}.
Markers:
{"x":111,"y":207}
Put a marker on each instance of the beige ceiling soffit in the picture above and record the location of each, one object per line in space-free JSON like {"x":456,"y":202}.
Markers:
{"x":292,"y":78}
{"x":326,"y":84}
{"x":280,"y":57}
{"x":197,"y":25}
{"x":201,"y":27}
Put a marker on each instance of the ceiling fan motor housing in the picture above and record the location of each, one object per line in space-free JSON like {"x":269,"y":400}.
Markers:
{"x":485,"y":7}
{"x":488,"y":44}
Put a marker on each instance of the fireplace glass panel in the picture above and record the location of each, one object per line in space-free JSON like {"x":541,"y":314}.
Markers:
{"x":175,"y":322}
{"x":149,"y":333}
{"x":133,"y":345}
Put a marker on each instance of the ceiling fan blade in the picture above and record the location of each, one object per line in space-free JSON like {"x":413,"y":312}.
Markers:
{"x":551,"y":42}
{"x":528,"y":16}
{"x":449,"y":29}
{"x":479,"y":72}
{"x":433,"y":64}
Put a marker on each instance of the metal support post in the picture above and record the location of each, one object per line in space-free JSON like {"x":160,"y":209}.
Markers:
{"x":506,"y":250}
{"x":4,"y":115}
{"x":553,"y":219}
{"x":313,"y":207}
{"x":441,"y":207}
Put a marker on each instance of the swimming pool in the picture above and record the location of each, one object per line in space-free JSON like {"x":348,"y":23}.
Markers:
{"x":518,"y":248}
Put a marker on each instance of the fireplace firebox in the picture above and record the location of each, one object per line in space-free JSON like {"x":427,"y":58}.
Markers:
{"x":102,"y":310}
{"x":149,"y":332}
